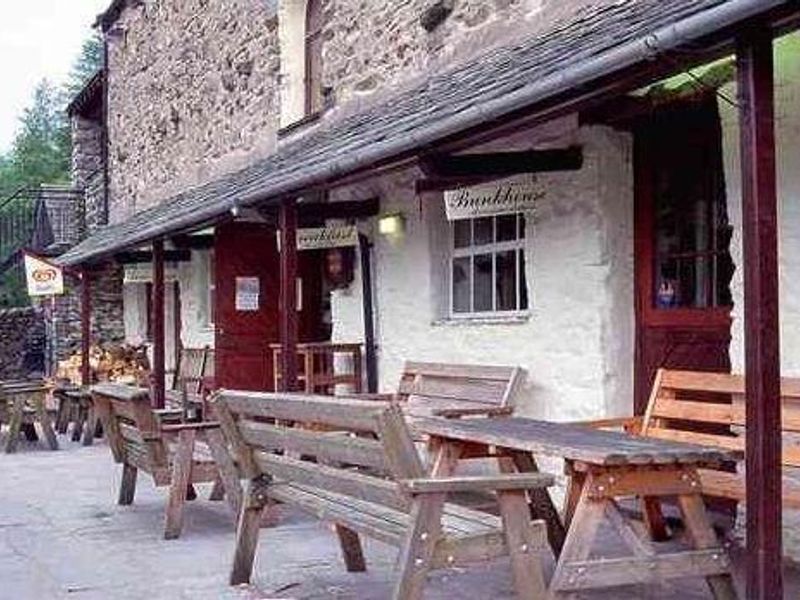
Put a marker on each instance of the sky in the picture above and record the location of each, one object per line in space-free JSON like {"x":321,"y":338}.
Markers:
{"x":38,"y":39}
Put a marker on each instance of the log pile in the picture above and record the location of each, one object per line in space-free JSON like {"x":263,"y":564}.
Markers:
{"x":120,"y":364}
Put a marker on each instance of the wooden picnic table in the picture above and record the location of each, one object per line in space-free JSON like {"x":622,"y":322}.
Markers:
{"x":75,"y":406}
{"x":23,"y":403}
{"x":602,"y":466}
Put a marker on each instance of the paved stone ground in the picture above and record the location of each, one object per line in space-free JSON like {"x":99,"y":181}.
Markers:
{"x":63,"y":537}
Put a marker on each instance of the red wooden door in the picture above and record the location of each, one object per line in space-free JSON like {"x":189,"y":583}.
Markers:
{"x":246,"y":253}
{"x":683,"y":264}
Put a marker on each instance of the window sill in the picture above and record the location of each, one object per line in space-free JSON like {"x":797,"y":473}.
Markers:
{"x":515,"y":319}
{"x":301,"y":123}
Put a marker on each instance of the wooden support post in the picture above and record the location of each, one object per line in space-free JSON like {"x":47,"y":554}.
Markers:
{"x":762,"y":345}
{"x":86,"y":326}
{"x":288,"y":303}
{"x":158,"y":391}
{"x":370,"y":358}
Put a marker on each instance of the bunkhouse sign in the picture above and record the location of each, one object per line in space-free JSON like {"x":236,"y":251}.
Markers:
{"x":490,"y":199}
{"x":320,"y":238}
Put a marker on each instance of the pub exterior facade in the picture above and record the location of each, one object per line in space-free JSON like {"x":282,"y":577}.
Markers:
{"x":554,"y":185}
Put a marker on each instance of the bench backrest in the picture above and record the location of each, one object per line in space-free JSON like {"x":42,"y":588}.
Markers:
{"x":356,"y":448}
{"x":194,"y":364}
{"x":130,"y":424}
{"x":709,"y":409}
{"x":430,"y":386}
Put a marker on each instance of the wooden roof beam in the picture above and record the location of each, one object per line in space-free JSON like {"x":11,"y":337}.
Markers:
{"x":502,"y":164}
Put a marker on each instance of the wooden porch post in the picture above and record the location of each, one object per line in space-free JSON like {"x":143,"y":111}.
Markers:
{"x":365,"y":251}
{"x":86,"y":326}
{"x":762,"y":346}
{"x":158,"y":394}
{"x":288,"y":302}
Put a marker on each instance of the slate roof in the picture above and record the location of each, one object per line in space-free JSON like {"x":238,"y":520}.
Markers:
{"x":503,"y":80}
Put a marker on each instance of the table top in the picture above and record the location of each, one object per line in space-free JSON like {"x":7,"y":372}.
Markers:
{"x":571,"y":441}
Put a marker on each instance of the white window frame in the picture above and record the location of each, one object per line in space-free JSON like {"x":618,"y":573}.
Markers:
{"x":210,"y":285}
{"x":494,"y":248}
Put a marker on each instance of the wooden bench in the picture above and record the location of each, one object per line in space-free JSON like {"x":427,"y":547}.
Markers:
{"x":175,"y":454}
{"x":358,"y":468}
{"x":457,"y":390}
{"x":709,"y":409}
{"x":195,"y":366}
{"x":23,"y":405}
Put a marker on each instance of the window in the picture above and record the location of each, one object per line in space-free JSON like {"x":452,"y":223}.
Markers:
{"x":488,"y":266}
{"x":313,"y":52}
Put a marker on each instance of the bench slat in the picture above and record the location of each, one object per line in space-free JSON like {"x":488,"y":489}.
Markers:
{"x":338,"y":412}
{"x":342,"y":481}
{"x":335,"y":446}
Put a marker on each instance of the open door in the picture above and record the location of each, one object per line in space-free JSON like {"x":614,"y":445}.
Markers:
{"x":683,"y":263}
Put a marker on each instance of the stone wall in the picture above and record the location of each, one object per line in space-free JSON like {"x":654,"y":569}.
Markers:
{"x":374,"y":46}
{"x":22,"y":342}
{"x":192,"y":94}
{"x":87,"y":169}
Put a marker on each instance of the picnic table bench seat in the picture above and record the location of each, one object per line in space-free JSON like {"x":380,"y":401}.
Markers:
{"x":709,"y":409}
{"x":173,"y":453}
{"x":354,"y":464}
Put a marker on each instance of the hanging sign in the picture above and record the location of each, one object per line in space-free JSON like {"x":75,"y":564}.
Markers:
{"x":248,"y":292}
{"x":44,"y":278}
{"x":318,"y":238}
{"x":518,"y":194}
{"x":143,"y":273}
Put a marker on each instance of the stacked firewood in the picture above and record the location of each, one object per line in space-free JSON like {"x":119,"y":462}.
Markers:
{"x":118,"y":363}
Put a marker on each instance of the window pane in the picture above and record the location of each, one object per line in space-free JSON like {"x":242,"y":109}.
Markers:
{"x":506,"y":280}
{"x":523,"y":282}
{"x":482,"y":278}
{"x":461,"y":285}
{"x":684,"y":283}
{"x":462,"y":233}
{"x":484,"y":231}
{"x":521,"y":226}
{"x":506,"y":228}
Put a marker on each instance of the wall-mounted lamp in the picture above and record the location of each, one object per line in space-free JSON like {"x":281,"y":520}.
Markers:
{"x":393,"y":224}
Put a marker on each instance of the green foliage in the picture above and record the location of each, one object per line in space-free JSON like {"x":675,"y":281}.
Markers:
{"x":89,"y":61}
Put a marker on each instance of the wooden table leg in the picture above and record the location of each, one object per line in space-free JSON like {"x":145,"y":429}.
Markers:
{"x":703,"y":537}
{"x":541,"y":504}
{"x":589,"y":513}
{"x":46,"y":424}
{"x":577,"y":479}
{"x":91,"y":426}
{"x":14,"y":425}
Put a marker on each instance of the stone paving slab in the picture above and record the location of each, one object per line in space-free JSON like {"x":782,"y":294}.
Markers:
{"x":62,"y":536}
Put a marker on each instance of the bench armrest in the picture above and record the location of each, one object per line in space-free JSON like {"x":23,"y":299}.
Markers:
{"x":510,"y":481}
{"x":628,"y":424}
{"x":488,"y":411}
{"x":203,"y":425}
{"x":382,"y":396}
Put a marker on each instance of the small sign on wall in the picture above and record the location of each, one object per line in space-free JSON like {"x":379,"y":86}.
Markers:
{"x":143,"y":273}
{"x":248,"y":292}
{"x":319,"y":238}
{"x":44,"y":278}
{"x":513,"y":195}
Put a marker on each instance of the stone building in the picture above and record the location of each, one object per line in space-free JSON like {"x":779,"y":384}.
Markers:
{"x":628,"y":257}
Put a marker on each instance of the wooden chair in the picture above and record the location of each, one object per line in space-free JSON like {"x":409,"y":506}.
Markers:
{"x":709,"y":409}
{"x":23,"y":406}
{"x":456,"y":390}
{"x":175,"y":454}
{"x":358,"y":468}
{"x":195,"y":366}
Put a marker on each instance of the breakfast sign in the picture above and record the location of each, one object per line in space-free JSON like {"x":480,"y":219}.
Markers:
{"x":44,"y":278}
{"x":517,"y":194}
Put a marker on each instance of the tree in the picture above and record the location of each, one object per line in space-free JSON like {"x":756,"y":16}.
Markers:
{"x":88,"y":63}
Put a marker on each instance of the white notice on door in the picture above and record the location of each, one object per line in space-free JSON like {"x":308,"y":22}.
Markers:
{"x":248,"y":290}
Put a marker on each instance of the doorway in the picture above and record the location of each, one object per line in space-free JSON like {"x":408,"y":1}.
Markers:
{"x":682,"y":244}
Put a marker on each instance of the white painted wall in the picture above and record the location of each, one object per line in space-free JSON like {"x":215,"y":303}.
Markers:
{"x":194,"y":278}
{"x":577,"y":344}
